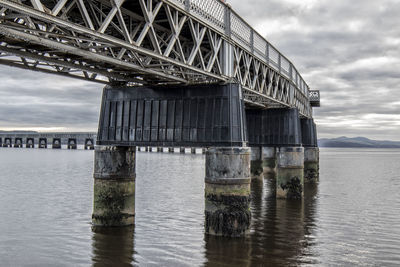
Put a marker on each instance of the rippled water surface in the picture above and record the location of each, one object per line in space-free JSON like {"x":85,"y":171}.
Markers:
{"x":351,"y":218}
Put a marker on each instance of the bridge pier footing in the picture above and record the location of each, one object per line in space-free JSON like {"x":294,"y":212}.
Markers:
{"x":114,"y":186}
{"x":311,"y":165}
{"x":290,"y":173}
{"x":256,"y":164}
{"x":268,"y":157}
{"x":227,"y":191}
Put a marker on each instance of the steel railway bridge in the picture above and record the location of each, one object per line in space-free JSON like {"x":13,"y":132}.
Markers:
{"x":178,"y":72}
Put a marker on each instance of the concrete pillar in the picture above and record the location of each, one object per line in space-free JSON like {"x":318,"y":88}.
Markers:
{"x":114,"y":186}
{"x":290,"y":173}
{"x":146,"y":149}
{"x":171,"y":150}
{"x":203,"y":150}
{"x":182,"y":150}
{"x":227,"y":191}
{"x":193,"y":150}
{"x":159,"y":149}
{"x":268,"y":157}
{"x":311,"y":165}
{"x":256,"y":163}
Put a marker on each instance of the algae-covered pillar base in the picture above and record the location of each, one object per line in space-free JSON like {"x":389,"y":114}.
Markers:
{"x":311,"y":165}
{"x":256,"y":163}
{"x":268,"y":157}
{"x":290,"y":173}
{"x":114,"y":186}
{"x":227,"y":191}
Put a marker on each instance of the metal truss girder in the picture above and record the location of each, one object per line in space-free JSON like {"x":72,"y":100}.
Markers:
{"x":151,"y":41}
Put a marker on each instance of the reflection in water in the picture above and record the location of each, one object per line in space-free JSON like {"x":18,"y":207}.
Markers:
{"x":351,"y":218}
{"x":281,"y":231}
{"x":113,"y":246}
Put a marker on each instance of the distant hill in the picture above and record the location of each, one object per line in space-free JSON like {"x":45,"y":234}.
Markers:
{"x":344,"y":141}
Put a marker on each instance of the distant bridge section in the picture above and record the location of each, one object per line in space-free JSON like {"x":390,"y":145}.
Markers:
{"x":149,"y":42}
{"x":42,"y":140}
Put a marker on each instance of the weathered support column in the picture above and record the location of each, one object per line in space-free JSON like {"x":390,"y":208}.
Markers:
{"x":311,"y":164}
{"x":146,"y":149}
{"x":268,"y":157}
{"x":256,"y":163}
{"x":311,"y":151}
{"x":227,"y":191}
{"x":290,"y":173}
{"x":56,"y":143}
{"x":193,"y":150}
{"x":182,"y":150}
{"x":203,"y":150}
{"x":114,"y":186}
{"x":159,"y":149}
{"x":171,"y":150}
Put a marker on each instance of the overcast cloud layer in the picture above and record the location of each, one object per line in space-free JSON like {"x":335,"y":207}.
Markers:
{"x":349,"y":50}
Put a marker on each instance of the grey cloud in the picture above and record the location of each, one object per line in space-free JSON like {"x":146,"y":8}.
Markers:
{"x":331,"y":43}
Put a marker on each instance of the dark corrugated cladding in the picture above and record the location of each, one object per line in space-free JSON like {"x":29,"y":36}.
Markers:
{"x":274,"y":127}
{"x":309,"y":133}
{"x":198,"y":115}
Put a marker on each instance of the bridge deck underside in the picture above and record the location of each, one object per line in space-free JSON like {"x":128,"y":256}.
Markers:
{"x":149,"y":42}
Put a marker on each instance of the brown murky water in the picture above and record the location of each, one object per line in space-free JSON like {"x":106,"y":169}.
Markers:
{"x":351,"y":218}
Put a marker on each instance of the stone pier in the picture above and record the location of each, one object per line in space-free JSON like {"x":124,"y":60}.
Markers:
{"x":311,"y":150}
{"x":114,"y":186}
{"x":290,"y":173}
{"x":227,"y":191}
{"x":268,"y":157}
{"x":311,"y":165}
{"x":256,"y":163}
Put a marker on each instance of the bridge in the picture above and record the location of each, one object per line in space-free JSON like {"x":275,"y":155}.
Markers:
{"x":177,"y":73}
{"x":43,"y":140}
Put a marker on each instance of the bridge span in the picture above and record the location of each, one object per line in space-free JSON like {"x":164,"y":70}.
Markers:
{"x":177,"y":73}
{"x":43,"y":140}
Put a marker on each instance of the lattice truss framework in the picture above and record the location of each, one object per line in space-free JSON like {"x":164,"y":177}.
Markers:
{"x":146,"y":42}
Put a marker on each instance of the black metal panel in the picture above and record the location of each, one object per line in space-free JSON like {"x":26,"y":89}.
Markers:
{"x":309,"y":133}
{"x":198,"y":115}
{"x":273,"y":127}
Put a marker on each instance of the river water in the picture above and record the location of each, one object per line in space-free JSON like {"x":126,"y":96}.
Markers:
{"x":352,"y":217}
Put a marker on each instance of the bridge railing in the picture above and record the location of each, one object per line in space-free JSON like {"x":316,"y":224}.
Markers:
{"x":225,"y":20}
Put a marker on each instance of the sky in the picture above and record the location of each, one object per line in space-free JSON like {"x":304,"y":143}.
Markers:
{"x":349,"y":50}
